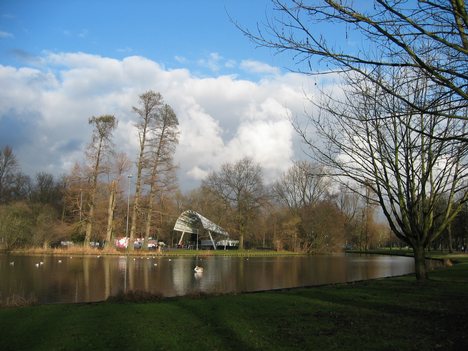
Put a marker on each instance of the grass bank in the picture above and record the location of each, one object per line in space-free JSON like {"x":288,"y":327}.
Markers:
{"x":80,"y":250}
{"x":385,"y":314}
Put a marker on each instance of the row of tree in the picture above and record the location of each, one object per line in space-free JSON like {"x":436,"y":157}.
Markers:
{"x":302,"y":211}
{"x":294,"y":214}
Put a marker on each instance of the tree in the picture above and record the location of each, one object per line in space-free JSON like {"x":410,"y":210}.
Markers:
{"x":75,"y":196}
{"x":46,"y":190}
{"x":46,"y":228}
{"x":460,"y":229}
{"x":403,"y":157}
{"x":302,"y":185}
{"x":322,"y":227}
{"x":120,"y":167}
{"x":15,"y":224}
{"x":150,"y":103}
{"x":428,"y":36}
{"x":163,"y":141}
{"x":348,"y":201}
{"x":8,"y":165}
{"x":240,"y":186}
{"x":97,"y":151}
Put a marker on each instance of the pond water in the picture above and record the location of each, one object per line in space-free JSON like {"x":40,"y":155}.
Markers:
{"x":52,"y":279}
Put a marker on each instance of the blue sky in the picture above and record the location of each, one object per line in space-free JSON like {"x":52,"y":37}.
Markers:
{"x":174,"y":33}
{"x":62,"y":62}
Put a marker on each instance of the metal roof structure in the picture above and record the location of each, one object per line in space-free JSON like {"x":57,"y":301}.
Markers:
{"x":192,"y":222}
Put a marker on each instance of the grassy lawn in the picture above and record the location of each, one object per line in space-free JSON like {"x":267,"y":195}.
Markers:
{"x":385,"y":314}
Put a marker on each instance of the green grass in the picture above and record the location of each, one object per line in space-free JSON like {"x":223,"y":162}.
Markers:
{"x":384,"y":314}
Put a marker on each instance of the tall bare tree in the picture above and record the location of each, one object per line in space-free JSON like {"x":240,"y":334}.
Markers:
{"x":240,"y":185}
{"x":163,"y":141}
{"x":400,"y":155}
{"x":150,"y":104}
{"x":99,"y":148}
{"x":8,"y":169}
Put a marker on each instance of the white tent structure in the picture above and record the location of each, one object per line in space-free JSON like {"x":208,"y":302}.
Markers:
{"x":194,"y":223}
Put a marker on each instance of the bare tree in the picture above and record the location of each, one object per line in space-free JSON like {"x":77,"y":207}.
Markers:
{"x":428,"y":36}
{"x":322,"y":227}
{"x":163,"y":142}
{"x":240,"y":185}
{"x":302,"y":185}
{"x":97,"y":151}
{"x":150,"y":103}
{"x":374,"y":139}
{"x":75,"y":196}
{"x":8,"y":169}
{"x":121,"y":166}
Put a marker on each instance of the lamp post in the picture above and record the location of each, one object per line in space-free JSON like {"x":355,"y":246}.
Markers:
{"x":128,"y":202}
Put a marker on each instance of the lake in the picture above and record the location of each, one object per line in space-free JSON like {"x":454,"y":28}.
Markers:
{"x":54,"y":279}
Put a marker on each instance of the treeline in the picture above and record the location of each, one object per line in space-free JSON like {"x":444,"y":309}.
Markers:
{"x":99,"y":200}
{"x":301,"y":211}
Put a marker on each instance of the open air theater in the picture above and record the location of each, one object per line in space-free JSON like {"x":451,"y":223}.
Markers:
{"x":202,"y":233}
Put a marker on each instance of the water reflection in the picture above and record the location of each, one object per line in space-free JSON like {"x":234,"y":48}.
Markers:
{"x":84,"y":279}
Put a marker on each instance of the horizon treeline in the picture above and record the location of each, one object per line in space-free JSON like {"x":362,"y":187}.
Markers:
{"x":304,"y":210}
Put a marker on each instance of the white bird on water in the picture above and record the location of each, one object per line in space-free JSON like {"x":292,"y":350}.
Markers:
{"x":12,"y":263}
{"x":198,"y":269}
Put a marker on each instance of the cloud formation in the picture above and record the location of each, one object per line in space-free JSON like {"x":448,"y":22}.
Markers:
{"x":222,"y":119}
{"x":258,"y":67}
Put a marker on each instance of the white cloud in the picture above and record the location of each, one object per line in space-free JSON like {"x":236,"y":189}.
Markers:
{"x":213,"y":62}
{"x":258,"y":67}
{"x":221,"y":119}
{"x":197,"y":173}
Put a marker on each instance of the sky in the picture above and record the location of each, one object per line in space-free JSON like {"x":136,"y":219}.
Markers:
{"x":62,"y":62}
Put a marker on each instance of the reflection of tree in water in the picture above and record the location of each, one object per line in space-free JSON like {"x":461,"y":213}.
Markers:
{"x":81,"y":279}
{"x":182,"y":274}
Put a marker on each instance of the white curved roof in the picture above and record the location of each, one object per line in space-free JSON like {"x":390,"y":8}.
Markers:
{"x":190,"y":221}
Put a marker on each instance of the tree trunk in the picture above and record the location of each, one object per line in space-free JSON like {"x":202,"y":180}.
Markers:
{"x":110,"y":215}
{"x":149,"y":216}
{"x":420,"y":263}
{"x":135,"y":209}
{"x":449,"y":232}
{"x":89,"y":224}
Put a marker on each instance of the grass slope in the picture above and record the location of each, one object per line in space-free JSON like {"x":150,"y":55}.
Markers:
{"x":385,"y":314}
